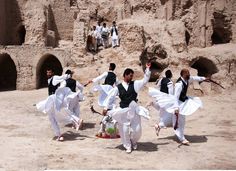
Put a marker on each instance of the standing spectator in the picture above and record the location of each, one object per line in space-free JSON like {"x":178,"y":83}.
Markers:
{"x":105,"y":35}
{"x":114,"y":35}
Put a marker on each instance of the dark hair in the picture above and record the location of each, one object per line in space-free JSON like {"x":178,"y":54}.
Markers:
{"x":112,"y":66}
{"x":113,"y":22}
{"x":183,"y":71}
{"x":168,"y":74}
{"x":68,"y":72}
{"x":50,"y":69}
{"x":127,"y":72}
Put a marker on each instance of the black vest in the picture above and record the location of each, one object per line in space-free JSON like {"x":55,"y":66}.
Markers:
{"x":183,"y":94}
{"x":110,"y":79}
{"x":128,"y":96}
{"x":164,"y":83}
{"x":71,"y":83}
{"x":112,"y":29}
{"x":51,"y":88}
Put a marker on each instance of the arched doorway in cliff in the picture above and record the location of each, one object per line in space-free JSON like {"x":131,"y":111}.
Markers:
{"x":47,"y":61}
{"x":10,"y":19}
{"x":204,"y":66}
{"x":221,"y":26}
{"x":8,"y":74}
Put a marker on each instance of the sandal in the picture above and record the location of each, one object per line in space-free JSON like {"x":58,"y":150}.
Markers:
{"x":185,"y":142}
{"x":60,"y":138}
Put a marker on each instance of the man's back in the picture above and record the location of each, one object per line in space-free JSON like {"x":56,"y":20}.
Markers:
{"x":71,"y":83}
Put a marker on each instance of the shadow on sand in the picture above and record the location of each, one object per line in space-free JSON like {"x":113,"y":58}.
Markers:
{"x":145,"y":146}
{"x":71,"y":136}
{"x":191,"y":138}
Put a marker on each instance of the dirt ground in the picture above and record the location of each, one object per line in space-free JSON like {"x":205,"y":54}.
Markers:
{"x":26,"y":138}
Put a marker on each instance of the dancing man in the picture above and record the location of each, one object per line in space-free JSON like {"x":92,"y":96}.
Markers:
{"x":129,"y":112}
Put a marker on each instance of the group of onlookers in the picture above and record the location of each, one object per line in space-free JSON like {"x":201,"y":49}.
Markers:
{"x":99,"y":36}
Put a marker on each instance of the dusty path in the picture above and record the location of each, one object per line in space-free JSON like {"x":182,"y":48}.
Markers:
{"x":26,"y":139}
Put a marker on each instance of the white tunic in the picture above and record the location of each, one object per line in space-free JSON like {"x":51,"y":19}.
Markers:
{"x":171,"y":102}
{"x":63,"y":98}
{"x":129,"y":120}
{"x":102,"y":89}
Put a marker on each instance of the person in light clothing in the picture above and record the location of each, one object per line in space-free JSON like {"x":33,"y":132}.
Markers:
{"x":164,"y":85}
{"x":180,"y":104}
{"x":128,"y":115}
{"x":114,"y":35}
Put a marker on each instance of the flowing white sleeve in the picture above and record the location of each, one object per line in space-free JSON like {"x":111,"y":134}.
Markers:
{"x":158,"y":85}
{"x":111,"y":98}
{"x":79,"y":86}
{"x":100,"y":77}
{"x":170,"y":86}
{"x":196,"y":78}
{"x":58,"y":79}
{"x":138,"y":84}
{"x":63,"y":84}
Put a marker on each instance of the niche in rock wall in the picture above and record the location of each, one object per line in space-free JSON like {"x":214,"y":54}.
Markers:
{"x":222,"y":32}
{"x":152,"y":53}
{"x":156,"y":68}
{"x":204,"y":66}
{"x":46,"y":62}
{"x":10,"y":19}
{"x":51,"y":31}
{"x":21,"y":32}
{"x":187,"y":37}
{"x":8,"y":73}
{"x":73,"y":3}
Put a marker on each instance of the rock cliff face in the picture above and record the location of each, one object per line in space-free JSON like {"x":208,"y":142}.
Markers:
{"x":34,"y":35}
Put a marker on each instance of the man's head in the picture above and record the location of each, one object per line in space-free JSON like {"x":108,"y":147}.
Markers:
{"x":112,"y":66}
{"x":185,"y":74}
{"x":50,"y":72}
{"x":104,"y":24}
{"x":113,"y":23}
{"x":128,"y":75}
{"x":94,"y":27}
{"x":69,"y":72}
{"x":168,"y":73}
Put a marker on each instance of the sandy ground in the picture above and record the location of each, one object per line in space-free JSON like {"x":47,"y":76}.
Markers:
{"x":26,"y":138}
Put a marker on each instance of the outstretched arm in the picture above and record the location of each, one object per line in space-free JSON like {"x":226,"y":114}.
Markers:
{"x":196,"y":78}
{"x":100,"y":77}
{"x":79,"y":86}
{"x":138,"y":84}
{"x":58,"y":79}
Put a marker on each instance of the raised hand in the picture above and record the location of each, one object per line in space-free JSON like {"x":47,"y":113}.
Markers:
{"x":148,"y":65}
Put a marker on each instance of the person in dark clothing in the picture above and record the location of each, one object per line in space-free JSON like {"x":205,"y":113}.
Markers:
{"x":165,"y":85}
{"x":128,"y":115}
{"x":51,"y":87}
{"x":110,"y":81}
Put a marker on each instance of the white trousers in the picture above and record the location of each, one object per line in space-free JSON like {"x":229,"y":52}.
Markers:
{"x":53,"y":121}
{"x":115,"y":42}
{"x":130,"y":131}
{"x":168,"y":120}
